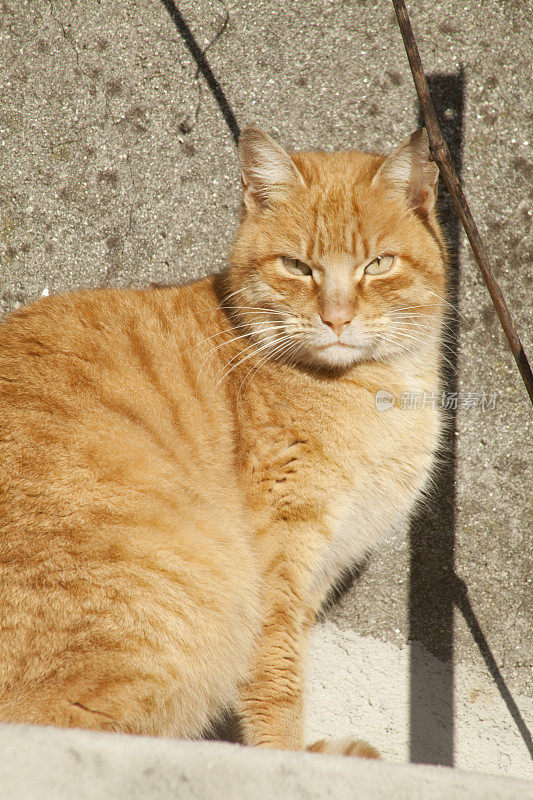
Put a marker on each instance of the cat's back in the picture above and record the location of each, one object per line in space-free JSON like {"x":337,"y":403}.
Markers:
{"x":102,"y":396}
{"x":105,"y":410}
{"x":129,"y":356}
{"x":104,"y":331}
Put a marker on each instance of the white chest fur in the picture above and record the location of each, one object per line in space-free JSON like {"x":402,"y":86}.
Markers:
{"x":376,"y":499}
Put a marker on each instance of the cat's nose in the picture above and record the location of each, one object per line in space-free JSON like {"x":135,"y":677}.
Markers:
{"x":337,"y":317}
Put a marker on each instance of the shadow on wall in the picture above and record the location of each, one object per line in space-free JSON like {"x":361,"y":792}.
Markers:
{"x":432,"y":532}
{"x":434,"y":587}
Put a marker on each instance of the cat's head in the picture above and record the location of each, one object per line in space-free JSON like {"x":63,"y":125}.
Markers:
{"x":339,"y":258}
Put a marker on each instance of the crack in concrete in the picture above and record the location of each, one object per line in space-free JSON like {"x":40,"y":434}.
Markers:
{"x":508,"y":628}
{"x":218,"y":34}
{"x":132,"y":205}
{"x":66,"y":36}
{"x":186,"y":126}
{"x":111,"y":268}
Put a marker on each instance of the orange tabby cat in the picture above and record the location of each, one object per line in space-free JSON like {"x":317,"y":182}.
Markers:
{"x":186,"y":472}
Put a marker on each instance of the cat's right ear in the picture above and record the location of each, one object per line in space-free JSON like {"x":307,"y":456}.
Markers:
{"x":410,"y":172}
{"x":268,"y":172}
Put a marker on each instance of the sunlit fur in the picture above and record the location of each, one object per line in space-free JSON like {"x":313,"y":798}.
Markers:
{"x":186,"y":472}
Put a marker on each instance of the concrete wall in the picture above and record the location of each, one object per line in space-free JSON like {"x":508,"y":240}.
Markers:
{"x":51,"y":764}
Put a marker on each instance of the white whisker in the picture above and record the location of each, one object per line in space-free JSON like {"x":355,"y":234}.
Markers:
{"x":237,"y":355}
{"x":224,"y":330}
{"x":224,"y":300}
{"x":416,"y":316}
{"x":422,"y":334}
{"x":408,"y":308}
{"x":265,"y":345}
{"x":278,"y":351}
{"x":259,"y":308}
{"x":266,"y":327}
{"x":228,"y":296}
{"x":448,"y":302}
{"x":396,"y":338}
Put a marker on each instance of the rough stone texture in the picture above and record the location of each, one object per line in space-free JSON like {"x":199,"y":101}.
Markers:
{"x":117,"y":168}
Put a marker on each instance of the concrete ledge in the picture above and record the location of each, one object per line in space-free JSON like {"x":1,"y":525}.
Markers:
{"x":52,"y":764}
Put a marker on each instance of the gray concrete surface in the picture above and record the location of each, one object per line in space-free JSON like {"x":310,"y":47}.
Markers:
{"x":361,"y":684}
{"x":38,"y":763}
{"x":117,"y":168}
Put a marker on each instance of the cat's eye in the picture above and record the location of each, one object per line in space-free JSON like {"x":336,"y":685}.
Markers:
{"x":379,"y":265}
{"x":296,"y":267}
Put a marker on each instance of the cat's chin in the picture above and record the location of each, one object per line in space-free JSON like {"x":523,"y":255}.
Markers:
{"x":339,"y":356}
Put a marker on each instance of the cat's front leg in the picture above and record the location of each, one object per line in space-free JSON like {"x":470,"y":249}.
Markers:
{"x":272,"y":709}
{"x":272,"y":712}
{"x":272,"y":699}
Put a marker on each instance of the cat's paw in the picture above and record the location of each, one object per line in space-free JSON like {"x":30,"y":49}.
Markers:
{"x":344,"y":747}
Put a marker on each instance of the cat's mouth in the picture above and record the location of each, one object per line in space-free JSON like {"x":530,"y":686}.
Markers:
{"x":335,"y":344}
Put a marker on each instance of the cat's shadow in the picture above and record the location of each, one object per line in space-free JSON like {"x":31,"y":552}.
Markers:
{"x":226,"y":729}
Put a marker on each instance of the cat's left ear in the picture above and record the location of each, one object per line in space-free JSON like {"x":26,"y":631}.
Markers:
{"x":408,"y":170}
{"x":268,"y":172}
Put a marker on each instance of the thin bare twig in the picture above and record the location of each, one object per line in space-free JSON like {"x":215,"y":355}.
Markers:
{"x":441,"y":155}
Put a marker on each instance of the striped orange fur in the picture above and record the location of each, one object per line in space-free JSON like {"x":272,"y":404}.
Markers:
{"x":186,"y":472}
